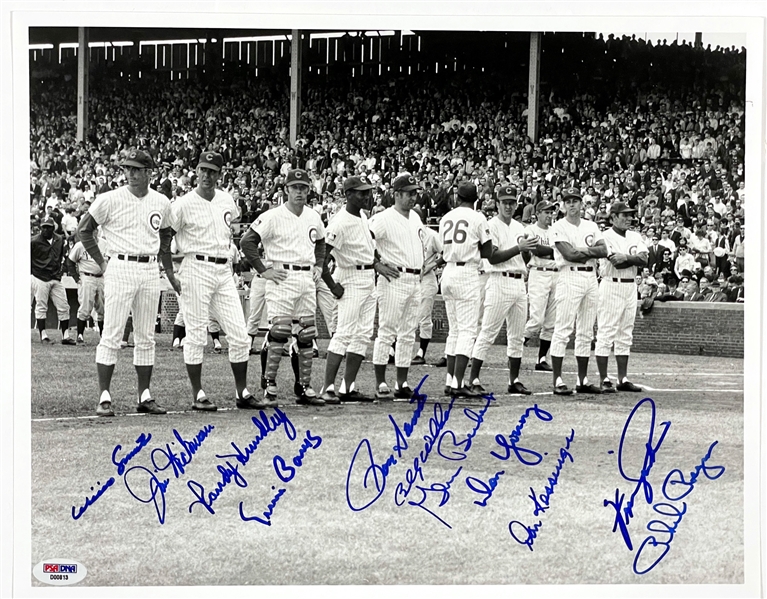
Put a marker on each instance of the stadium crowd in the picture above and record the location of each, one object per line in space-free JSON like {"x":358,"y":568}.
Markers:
{"x":671,"y":148}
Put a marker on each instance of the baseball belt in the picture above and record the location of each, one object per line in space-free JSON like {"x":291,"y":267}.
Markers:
{"x":87,"y":274}
{"x":513,"y":275}
{"x":580,"y":268}
{"x":295,"y":267}
{"x":546,"y":268}
{"x":212,"y":259}
{"x":363,"y":266}
{"x":410,"y":271}
{"x":132,"y":258}
{"x":617,"y":280}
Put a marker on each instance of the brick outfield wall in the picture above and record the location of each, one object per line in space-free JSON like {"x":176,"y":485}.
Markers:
{"x":685,"y":328}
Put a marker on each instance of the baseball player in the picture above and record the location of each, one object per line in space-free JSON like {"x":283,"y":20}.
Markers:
{"x":90,"y":287}
{"x":429,"y":287}
{"x":398,"y":236}
{"x":577,"y":245}
{"x":350,"y":241}
{"x":201,"y":221}
{"x":465,"y":236}
{"x":131,"y":218}
{"x":617,"y":296}
{"x":294,"y":240}
{"x":47,"y":254}
{"x":505,"y":294}
{"x":542,"y":285}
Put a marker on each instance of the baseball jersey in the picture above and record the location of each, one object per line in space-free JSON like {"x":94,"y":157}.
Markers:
{"x":585,"y":234}
{"x":432,"y":244}
{"x":543,"y":236}
{"x":287,"y":238}
{"x":83,"y":259}
{"x":129,"y":224}
{"x":631,"y":244}
{"x":398,"y":238}
{"x":202,"y":226}
{"x":462,"y":231}
{"x":504,"y":237}
{"x":350,"y":235}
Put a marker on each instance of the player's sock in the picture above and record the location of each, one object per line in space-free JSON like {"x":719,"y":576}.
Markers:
{"x":294,"y":361}
{"x":101,"y":327}
{"x":105,"y":396}
{"x":341,"y":387}
{"x":145,"y":396}
{"x":424,"y":344}
{"x":559,"y":382}
{"x":64,"y":325}
{"x":81,"y":327}
{"x":448,"y":380}
{"x":543,"y":350}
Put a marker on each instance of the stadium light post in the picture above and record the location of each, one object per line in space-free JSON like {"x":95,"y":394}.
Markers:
{"x":83,"y":63}
{"x":297,"y":44}
{"x":533,"y":87}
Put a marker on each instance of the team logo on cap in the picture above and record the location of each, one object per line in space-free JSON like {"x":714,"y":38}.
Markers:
{"x":364,"y":179}
{"x":313,"y":234}
{"x":590,"y":240}
{"x":633,"y":250}
{"x":209,"y":156}
{"x":132,"y":154}
{"x":228,"y":218}
{"x":298,"y":174}
{"x":155,"y":220}
{"x":510,"y":190}
{"x":411,"y":180}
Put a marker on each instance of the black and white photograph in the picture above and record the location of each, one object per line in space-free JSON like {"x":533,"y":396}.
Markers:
{"x":409,"y":297}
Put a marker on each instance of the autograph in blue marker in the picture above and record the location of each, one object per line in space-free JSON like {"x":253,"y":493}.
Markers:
{"x":527,"y":457}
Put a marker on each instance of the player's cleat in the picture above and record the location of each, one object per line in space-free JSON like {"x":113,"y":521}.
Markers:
{"x":353,"y":395}
{"x":330,"y":397}
{"x":217,"y":346}
{"x":562,"y":390}
{"x":628,"y":386}
{"x":124,"y":344}
{"x":251,"y":403}
{"x":383,"y":392}
{"x":462,"y":392}
{"x":150,"y":407}
{"x":478,"y":389}
{"x":519,"y":389}
{"x":607,"y":387}
{"x":204,"y":404}
{"x":254,"y":352}
{"x":298,"y":389}
{"x":588,"y":389}
{"x":44,"y":338}
{"x":441,"y":363}
{"x":447,"y":391}
{"x":263,"y":382}
{"x":176,"y":343}
{"x":80,"y":340}
{"x":309,"y":398}
{"x":68,"y":341}
{"x":270,"y":395}
{"x":544,"y":366}
{"x":105,"y":409}
{"x":403,"y":393}
{"x":417,"y":361}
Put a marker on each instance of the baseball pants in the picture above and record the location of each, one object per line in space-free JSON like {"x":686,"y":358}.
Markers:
{"x":257,"y":316}
{"x":296,"y":296}
{"x":328,"y":304}
{"x":460,"y":290}
{"x":428,"y":292}
{"x":542,"y":296}
{"x":483,"y":279}
{"x":577,"y":295}
{"x":90,"y":294}
{"x":56,"y":291}
{"x":397,"y":318}
{"x":356,"y":311}
{"x":208,"y":292}
{"x":505,"y":299}
{"x":615,"y":318}
{"x":129,"y":287}
{"x":179,"y":321}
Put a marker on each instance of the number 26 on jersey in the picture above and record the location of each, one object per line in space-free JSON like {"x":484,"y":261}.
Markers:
{"x":455,"y":232}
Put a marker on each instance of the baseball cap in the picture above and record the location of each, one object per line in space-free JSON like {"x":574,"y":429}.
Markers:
{"x":405,"y":183}
{"x":507,"y":193}
{"x":544,"y":205}
{"x":139,"y":159}
{"x":572,"y":193}
{"x":47,"y":222}
{"x":467,"y":191}
{"x":211,"y":160}
{"x":297,"y":176}
{"x":620,"y":207}
{"x":360,"y":183}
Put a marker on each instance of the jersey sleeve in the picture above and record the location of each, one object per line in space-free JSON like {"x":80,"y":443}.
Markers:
{"x":334,"y":235}
{"x":598,"y":236}
{"x":175,"y":217}
{"x":557,"y":234}
{"x":483,"y":230}
{"x":263,"y":225}
{"x":437,"y":241}
{"x":320,"y":226}
{"x":377,"y":227}
{"x":76,"y":252}
{"x":99,"y":210}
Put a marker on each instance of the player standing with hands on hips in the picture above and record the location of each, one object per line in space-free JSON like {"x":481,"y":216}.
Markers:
{"x":578,"y":243}
{"x":201,"y":221}
{"x":618,"y":296}
{"x":293,"y":238}
{"x":131,"y":218}
{"x":90,"y":286}
{"x":466,"y":239}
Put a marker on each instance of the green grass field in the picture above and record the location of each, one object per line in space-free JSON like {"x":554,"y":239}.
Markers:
{"x":314,"y":536}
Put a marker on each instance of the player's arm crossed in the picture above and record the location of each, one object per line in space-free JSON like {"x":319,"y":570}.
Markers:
{"x":85,"y":230}
{"x":525,"y":245}
{"x":581,"y":254}
{"x":166,"y":257}
{"x":249,"y":246}
{"x":626,"y":260}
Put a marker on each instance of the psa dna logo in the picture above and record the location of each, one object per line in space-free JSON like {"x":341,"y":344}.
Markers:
{"x":155,"y":220}
{"x":59,"y":571}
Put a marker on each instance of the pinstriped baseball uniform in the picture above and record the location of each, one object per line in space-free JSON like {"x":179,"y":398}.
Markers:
{"x":352,"y":247}
{"x":617,"y":299}
{"x":289,"y":239}
{"x":541,"y":289}
{"x":462,"y":231}
{"x":90,"y":293}
{"x":130,"y":226}
{"x":257,"y":302}
{"x":208,"y":290}
{"x":398,"y":240}
{"x":577,"y":291}
{"x":505,"y":296}
{"x":429,"y":287}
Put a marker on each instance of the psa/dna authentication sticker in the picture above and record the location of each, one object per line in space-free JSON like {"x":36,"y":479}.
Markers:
{"x":59,"y":571}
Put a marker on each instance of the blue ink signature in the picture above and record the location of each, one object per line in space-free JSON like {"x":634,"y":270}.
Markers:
{"x":541,"y":501}
{"x":141,"y":442}
{"x":442,"y":488}
{"x":229,"y":473}
{"x":484,"y":488}
{"x":162,"y":459}
{"x":478,"y":418}
{"x":92,"y":499}
{"x":287,"y":472}
{"x":267,"y":519}
{"x":265,"y":425}
{"x":156,"y":487}
{"x":673,"y":478}
{"x":624,"y":514}
{"x":533,"y":458}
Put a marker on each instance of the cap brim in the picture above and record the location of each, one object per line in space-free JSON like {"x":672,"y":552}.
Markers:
{"x":508,"y":199}
{"x":363,"y":187}
{"x":408,"y":188}
{"x":572,"y":195}
{"x":135,"y":163}
{"x":212,"y":167}
{"x":292,"y":183}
